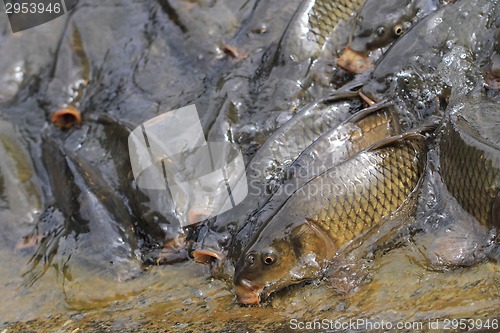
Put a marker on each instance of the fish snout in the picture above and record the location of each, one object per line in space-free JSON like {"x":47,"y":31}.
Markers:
{"x":212,"y":247}
{"x":206,"y":255}
{"x":354,"y":61}
{"x":66,"y":117}
{"x":246,"y":292}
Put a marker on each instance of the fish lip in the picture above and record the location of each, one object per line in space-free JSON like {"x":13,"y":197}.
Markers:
{"x":206,"y":255}
{"x":354,"y":61}
{"x":247,"y":293}
{"x":66,"y":117}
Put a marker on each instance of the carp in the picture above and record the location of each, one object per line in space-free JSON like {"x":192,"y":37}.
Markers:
{"x":326,"y":214}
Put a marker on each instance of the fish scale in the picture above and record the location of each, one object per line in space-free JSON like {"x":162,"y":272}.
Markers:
{"x":325,"y":15}
{"x":274,"y":156}
{"x":389,"y":176}
{"x":470,"y":164}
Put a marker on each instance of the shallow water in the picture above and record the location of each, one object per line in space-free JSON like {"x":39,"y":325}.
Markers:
{"x":182,"y":297}
{"x":66,"y":289}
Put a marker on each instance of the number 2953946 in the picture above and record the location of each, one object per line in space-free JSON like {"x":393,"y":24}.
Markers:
{"x":33,"y":8}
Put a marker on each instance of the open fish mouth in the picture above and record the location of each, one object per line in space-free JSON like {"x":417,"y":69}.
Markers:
{"x":353,"y":61}
{"x":205,"y":256}
{"x":247,"y":293}
{"x":66,"y":118}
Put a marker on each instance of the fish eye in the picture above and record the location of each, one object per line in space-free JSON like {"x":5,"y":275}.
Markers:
{"x":380,"y":31}
{"x":398,"y":29}
{"x":269,"y":258}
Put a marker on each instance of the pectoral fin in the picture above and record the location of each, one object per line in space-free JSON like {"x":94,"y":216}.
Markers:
{"x":307,"y":238}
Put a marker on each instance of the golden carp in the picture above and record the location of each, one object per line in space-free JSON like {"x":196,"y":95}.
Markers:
{"x":326,"y":214}
{"x":334,"y":147}
{"x":470,"y":158}
{"x":265,"y":170}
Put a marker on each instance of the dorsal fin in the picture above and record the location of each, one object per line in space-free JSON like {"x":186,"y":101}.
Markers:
{"x":415,"y":134}
{"x":367,"y":111}
{"x":394,"y":140}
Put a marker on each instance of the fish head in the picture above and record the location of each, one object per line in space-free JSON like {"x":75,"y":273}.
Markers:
{"x":278,"y":260}
{"x":381,"y":24}
{"x":212,"y":245}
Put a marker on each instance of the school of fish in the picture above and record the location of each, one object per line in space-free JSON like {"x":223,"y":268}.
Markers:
{"x":344,"y":118}
{"x":336,"y":186}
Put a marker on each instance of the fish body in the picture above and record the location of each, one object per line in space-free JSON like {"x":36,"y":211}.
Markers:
{"x":20,"y":194}
{"x":305,"y":58}
{"x":71,"y":73}
{"x":325,"y":15}
{"x":342,"y":142}
{"x":88,"y":223}
{"x":470,"y":157}
{"x":266,"y":169}
{"x":326,"y":214}
{"x":332,"y":148}
{"x":313,"y":25}
{"x":461,"y":200}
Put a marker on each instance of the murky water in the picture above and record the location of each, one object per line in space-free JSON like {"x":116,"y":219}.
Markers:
{"x":182,"y":297}
{"x":51,"y":281}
